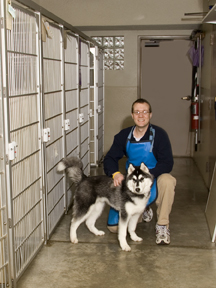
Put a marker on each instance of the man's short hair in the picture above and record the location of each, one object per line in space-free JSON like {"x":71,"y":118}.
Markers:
{"x":141,"y":100}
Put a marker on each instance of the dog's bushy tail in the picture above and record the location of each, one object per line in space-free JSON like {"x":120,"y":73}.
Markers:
{"x":73,"y":166}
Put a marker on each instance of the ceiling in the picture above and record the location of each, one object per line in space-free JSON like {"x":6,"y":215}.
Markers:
{"x":126,"y":14}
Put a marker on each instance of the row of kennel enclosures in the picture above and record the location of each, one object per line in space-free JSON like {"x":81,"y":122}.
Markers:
{"x":45,"y":116}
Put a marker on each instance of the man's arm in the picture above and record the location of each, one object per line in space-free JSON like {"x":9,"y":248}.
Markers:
{"x":116,"y":152}
{"x":112,"y":157}
{"x":162,"y":151}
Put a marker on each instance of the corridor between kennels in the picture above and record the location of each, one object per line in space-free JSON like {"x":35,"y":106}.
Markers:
{"x":99,"y":261}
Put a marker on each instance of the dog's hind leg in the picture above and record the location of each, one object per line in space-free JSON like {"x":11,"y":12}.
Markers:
{"x":96,"y":211}
{"x":132,"y":227}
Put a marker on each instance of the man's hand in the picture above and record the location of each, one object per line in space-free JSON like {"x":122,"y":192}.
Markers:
{"x":118,"y":178}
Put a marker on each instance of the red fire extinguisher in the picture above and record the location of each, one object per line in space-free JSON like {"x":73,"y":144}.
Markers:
{"x":194,"y":115}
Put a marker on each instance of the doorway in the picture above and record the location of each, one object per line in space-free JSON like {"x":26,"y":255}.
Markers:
{"x":166,"y":77}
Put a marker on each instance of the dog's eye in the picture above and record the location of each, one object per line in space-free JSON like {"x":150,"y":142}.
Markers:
{"x":134,"y":180}
{"x":141,"y":179}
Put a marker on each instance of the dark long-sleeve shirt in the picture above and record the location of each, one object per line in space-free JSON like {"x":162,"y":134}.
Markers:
{"x":161,"y":149}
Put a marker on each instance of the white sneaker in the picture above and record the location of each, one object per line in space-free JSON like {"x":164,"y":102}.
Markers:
{"x":162,"y":235}
{"x":147,"y":215}
{"x":113,"y":229}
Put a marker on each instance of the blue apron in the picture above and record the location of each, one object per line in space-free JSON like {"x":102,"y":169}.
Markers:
{"x":138,"y":152}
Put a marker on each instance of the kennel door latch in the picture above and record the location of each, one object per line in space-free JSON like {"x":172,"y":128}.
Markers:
{"x":46,"y":134}
{"x":12,"y":150}
{"x":90,"y":113}
{"x":99,"y":109}
{"x":67,"y":124}
{"x":81,"y":117}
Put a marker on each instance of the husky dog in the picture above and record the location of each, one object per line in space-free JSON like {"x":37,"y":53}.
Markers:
{"x":130,"y":198}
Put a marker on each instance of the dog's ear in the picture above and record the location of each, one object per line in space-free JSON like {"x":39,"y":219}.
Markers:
{"x":144,"y":168}
{"x":130,"y":168}
{"x":61,"y":166}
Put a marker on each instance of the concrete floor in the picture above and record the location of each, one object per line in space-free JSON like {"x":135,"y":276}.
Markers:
{"x":188,"y":262}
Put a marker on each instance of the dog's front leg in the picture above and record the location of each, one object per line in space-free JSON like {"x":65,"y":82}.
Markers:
{"x":132,"y":227}
{"x":122,"y":233}
{"x":73,"y":228}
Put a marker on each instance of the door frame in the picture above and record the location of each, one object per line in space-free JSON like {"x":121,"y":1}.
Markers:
{"x":156,"y":38}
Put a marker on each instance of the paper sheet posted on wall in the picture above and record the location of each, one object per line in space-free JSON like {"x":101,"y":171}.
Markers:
{"x":10,"y":15}
{"x":48,"y":30}
{"x":12,"y":11}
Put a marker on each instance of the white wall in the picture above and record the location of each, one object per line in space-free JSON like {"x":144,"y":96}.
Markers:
{"x":121,"y":86}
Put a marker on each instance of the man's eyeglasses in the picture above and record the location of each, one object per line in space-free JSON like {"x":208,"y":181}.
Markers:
{"x":141,"y":112}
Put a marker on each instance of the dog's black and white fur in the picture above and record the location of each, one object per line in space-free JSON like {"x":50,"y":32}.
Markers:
{"x":130,"y":198}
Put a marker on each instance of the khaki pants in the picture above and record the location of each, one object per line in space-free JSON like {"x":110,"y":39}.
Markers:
{"x":166,"y":191}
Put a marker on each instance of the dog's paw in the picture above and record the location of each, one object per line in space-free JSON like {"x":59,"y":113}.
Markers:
{"x":100,"y":233}
{"x":74,"y":240}
{"x":126,"y":247}
{"x":136,"y":238}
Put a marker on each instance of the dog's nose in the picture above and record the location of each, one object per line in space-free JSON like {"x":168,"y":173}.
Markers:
{"x":137,"y":189}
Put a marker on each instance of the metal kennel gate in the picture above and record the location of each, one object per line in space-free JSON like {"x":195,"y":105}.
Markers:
{"x":23,"y":139}
{"x":97,"y":107}
{"x":71,"y":64}
{"x":5,"y":277}
{"x":53,"y":109}
{"x":100,"y":108}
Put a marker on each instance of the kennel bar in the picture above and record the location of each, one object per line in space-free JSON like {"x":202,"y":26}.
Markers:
{"x":100,"y":109}
{"x":84,"y":88}
{"x":5,"y":178}
{"x":5,"y":263}
{"x":93,"y":106}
